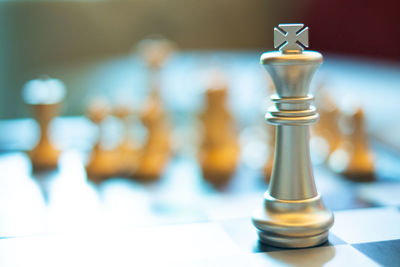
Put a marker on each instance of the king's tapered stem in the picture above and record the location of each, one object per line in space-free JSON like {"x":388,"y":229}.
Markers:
{"x":292,"y":174}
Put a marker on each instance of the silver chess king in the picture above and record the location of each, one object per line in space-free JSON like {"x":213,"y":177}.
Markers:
{"x":292,"y":214}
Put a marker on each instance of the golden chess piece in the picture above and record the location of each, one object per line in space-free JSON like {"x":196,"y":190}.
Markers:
{"x":326,"y":134}
{"x":153,"y":157}
{"x":127,"y":150}
{"x":292,"y":214}
{"x":44,"y":96}
{"x":155,"y":51}
{"x":353,"y":158}
{"x":219,"y":151}
{"x":102,"y":163}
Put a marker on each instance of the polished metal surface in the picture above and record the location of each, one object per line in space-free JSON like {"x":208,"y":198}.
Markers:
{"x":292,"y":214}
{"x":291,"y":38}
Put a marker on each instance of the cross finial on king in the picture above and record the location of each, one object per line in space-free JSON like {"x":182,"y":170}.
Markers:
{"x":291,"y":38}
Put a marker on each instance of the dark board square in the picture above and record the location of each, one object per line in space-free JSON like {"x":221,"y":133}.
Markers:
{"x":261,"y":247}
{"x":333,"y":240}
{"x":386,"y":253}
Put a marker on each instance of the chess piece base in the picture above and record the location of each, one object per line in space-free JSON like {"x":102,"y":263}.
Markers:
{"x":102,"y":164}
{"x":293,"y":242}
{"x":217,"y":179}
{"x":151,"y":165}
{"x":360,"y":176}
{"x":293,"y":223}
{"x":219,"y":164}
{"x":356,"y":167}
{"x":44,"y":156}
{"x":129,"y":158}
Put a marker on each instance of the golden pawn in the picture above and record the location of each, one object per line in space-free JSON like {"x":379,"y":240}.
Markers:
{"x":219,"y":151}
{"x":44,"y":96}
{"x":153,"y":157}
{"x":102,"y":163}
{"x":326,"y":134}
{"x":352,"y":157}
{"x":127,"y":150}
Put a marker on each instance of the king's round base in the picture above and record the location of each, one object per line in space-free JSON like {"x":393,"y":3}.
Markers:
{"x":292,"y":223}
{"x":291,"y":241}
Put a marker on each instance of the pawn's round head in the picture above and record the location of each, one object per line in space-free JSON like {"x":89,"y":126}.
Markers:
{"x":98,"y":110}
{"x":43,"y":91}
{"x":155,"y":51}
{"x":123,"y":110}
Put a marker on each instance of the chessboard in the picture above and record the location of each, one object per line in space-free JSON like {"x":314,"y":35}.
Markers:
{"x":359,"y":238}
{"x":60,"y":217}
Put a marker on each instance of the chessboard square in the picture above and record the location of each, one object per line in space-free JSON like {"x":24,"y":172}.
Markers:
{"x":367,"y":225}
{"x":237,"y":260}
{"x":333,"y":240}
{"x":187,"y":241}
{"x":243,"y":233}
{"x":226,"y":207}
{"x":386,"y":253}
{"x":170,"y":245}
{"x":341,"y":255}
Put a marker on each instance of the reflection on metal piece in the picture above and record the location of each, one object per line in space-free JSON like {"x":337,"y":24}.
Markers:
{"x":293,"y":214}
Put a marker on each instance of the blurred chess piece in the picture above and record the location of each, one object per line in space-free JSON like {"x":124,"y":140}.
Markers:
{"x":102,"y":163}
{"x":44,"y":96}
{"x":353,"y":158}
{"x":127,"y":149}
{"x":155,"y":153}
{"x":326,"y":134}
{"x":155,"y":51}
{"x":219,"y":150}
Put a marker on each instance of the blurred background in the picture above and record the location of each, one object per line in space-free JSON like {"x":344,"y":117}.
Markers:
{"x":37,"y":36}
